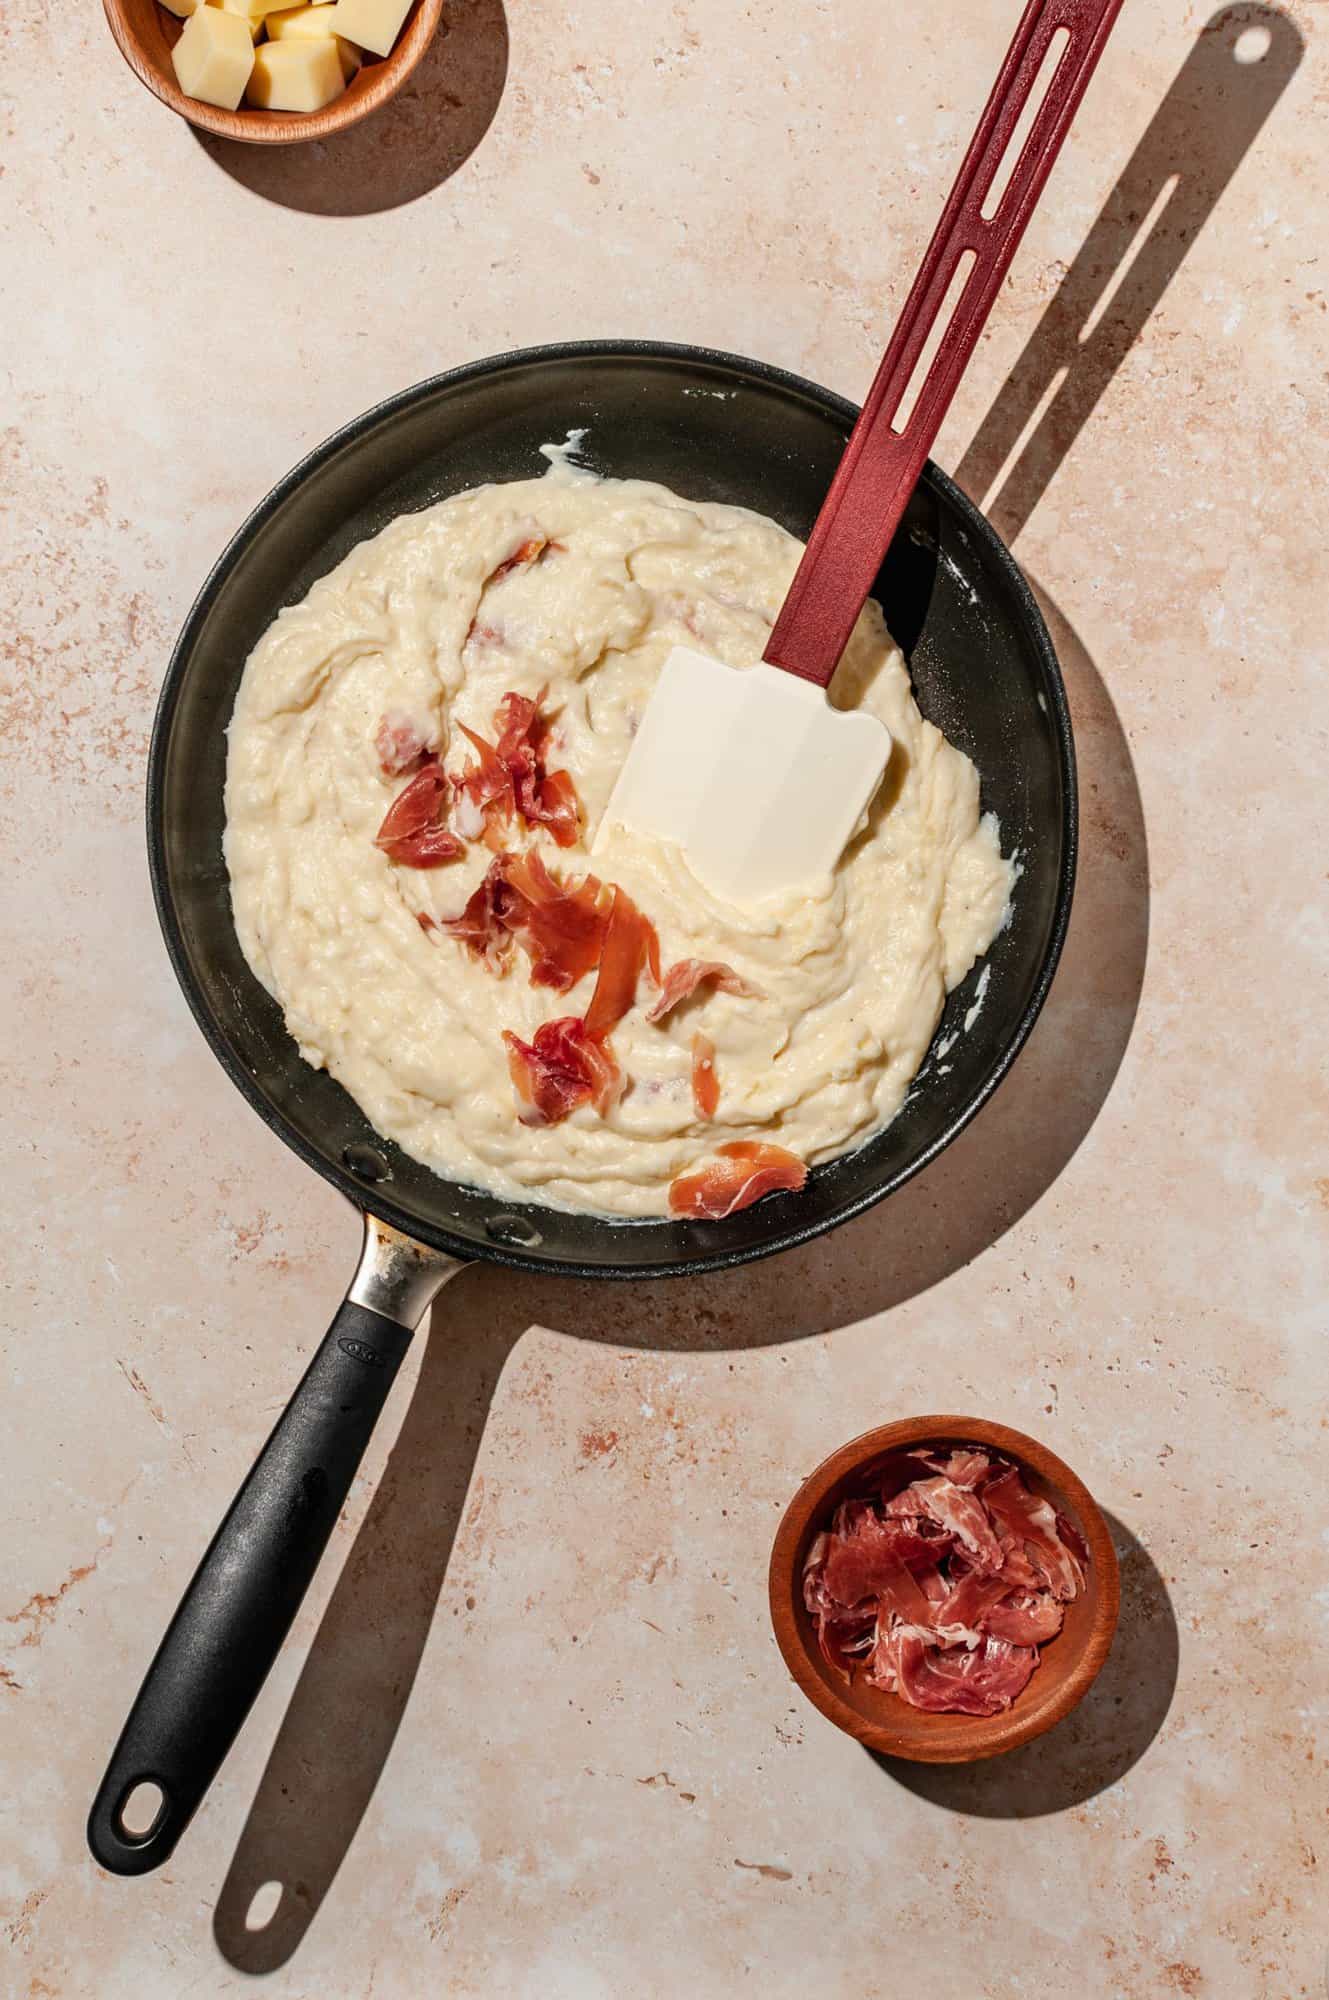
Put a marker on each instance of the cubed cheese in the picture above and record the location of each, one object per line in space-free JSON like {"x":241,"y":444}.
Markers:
{"x":213,"y":57}
{"x":294,"y":23}
{"x":184,"y":8}
{"x":250,"y":11}
{"x":301,"y":75}
{"x":372,"y":24}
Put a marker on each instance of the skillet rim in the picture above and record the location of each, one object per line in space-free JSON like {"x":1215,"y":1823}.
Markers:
{"x":369,"y":1199}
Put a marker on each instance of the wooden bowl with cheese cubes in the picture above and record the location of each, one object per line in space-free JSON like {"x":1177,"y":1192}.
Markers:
{"x":273,"y":76}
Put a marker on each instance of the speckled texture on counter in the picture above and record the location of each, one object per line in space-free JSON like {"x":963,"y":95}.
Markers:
{"x":559,"y":1755}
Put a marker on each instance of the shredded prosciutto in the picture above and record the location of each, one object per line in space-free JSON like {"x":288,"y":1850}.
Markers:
{"x":527,"y":552}
{"x":561,"y":926}
{"x":740,"y":1174}
{"x":962,"y":1635}
{"x":485,"y":786}
{"x":425,"y":921}
{"x":483,"y":925}
{"x":399,"y":742}
{"x":562,"y":1068}
{"x":511,"y":775}
{"x":544,"y":798}
{"x":683,"y":979}
{"x":415,"y":830}
{"x":705,"y":1083}
{"x":630,"y":946}
{"x":478,"y":633}
{"x":556,"y":806}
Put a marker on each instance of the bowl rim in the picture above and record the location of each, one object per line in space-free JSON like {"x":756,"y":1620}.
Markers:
{"x":253,"y":126}
{"x":993,"y":1735}
{"x":351,"y":435}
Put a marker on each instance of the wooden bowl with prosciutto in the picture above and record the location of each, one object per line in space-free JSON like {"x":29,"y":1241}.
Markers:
{"x":944,"y":1589}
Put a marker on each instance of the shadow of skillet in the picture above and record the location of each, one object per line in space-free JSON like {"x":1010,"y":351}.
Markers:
{"x":1099,"y":1741}
{"x":1212,"y":114}
{"x":418,"y":140}
{"x":349,"y":1700}
{"x":350,"y":1697}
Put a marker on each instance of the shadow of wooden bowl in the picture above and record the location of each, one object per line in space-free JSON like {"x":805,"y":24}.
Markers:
{"x":885,"y":1722}
{"x":145,"y":34}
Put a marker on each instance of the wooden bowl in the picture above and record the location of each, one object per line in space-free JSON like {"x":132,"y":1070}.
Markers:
{"x":885,"y":1722}
{"x":146,"y":33}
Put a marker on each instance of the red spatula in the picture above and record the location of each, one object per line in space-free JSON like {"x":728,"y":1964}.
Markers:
{"x":750,"y":770}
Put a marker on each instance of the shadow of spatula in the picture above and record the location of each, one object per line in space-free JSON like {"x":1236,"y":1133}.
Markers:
{"x":751,"y":770}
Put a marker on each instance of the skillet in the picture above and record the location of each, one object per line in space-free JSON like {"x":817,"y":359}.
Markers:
{"x":712,"y":426}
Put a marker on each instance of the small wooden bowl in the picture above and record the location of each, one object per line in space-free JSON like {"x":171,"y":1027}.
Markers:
{"x":885,"y":1722}
{"x":146,"y":33}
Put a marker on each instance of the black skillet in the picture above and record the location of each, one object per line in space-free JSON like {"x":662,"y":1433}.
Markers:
{"x":712,"y":426}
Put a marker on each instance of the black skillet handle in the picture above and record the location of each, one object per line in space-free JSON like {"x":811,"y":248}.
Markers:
{"x":238,"y":1609}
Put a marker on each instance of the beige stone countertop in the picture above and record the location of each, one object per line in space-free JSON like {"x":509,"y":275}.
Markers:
{"x":531,"y":1735}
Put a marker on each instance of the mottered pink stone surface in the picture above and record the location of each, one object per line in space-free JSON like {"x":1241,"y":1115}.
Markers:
{"x":558,"y":1755}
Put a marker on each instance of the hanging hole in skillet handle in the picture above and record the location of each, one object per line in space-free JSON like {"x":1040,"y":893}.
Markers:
{"x":141,"y":1811}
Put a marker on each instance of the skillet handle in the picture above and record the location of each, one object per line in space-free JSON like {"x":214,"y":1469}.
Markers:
{"x":238,"y":1609}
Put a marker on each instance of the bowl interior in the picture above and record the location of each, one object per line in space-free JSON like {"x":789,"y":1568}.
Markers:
{"x":712,"y":427}
{"x":886,"y":1722}
{"x":147,"y":32}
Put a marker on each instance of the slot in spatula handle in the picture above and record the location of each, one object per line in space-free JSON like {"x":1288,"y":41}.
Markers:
{"x":881,"y":463}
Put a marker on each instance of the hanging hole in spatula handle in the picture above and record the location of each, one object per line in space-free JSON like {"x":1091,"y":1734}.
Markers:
{"x":1019,"y":135}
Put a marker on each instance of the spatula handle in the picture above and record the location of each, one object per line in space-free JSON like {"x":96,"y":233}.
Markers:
{"x":881,"y":461}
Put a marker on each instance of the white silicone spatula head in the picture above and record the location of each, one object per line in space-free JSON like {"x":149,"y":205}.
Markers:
{"x":752,"y":772}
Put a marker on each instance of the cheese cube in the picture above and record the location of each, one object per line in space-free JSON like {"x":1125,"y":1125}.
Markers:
{"x":372,"y":24}
{"x":297,"y":23}
{"x":213,"y":57}
{"x":301,"y":75}
{"x":184,"y":8}
{"x":294,"y":23}
{"x":250,"y":11}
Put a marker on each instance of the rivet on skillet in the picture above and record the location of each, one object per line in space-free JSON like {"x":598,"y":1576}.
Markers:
{"x":366,"y":1162}
{"x":513,"y":1229}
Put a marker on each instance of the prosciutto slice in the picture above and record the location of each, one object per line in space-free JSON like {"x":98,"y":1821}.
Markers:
{"x":631,"y":947}
{"x":1025,"y":1617}
{"x":957,"y":1510}
{"x":511,"y":776}
{"x":705,"y":1082}
{"x":526,"y":552}
{"x":936,"y":1592}
{"x":415,"y":831}
{"x":1034,"y":1522}
{"x":950,"y":1679}
{"x":562,"y":1068}
{"x":683,"y":978}
{"x":483,"y":926}
{"x":740,"y":1173}
{"x":560,"y":925}
{"x":399,"y":742}
{"x":863,"y":1564}
{"x":487,"y":785}
{"x":543,"y":798}
{"x":963,"y":1468}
